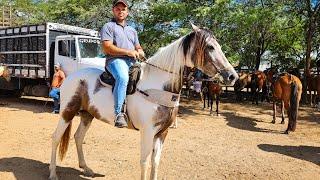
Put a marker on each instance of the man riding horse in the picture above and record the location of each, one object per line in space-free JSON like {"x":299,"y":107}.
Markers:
{"x":121,"y":46}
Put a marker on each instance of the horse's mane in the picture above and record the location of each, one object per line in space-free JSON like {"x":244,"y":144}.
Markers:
{"x":170,"y":57}
{"x":173,"y":56}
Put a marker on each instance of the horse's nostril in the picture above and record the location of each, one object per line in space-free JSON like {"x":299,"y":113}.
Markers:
{"x":232,"y":77}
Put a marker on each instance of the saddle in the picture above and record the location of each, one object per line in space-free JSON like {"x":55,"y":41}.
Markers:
{"x":134,"y":76}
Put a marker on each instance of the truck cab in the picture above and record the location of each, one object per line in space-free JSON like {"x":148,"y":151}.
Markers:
{"x":75,"y":52}
{"x":30,"y":52}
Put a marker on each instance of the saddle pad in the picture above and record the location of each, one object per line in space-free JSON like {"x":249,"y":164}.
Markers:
{"x":164,"y":98}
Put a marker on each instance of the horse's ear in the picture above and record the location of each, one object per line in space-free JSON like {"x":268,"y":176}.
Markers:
{"x":194,"y":27}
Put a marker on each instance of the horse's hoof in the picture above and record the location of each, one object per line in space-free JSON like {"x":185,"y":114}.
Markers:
{"x":218,"y":115}
{"x":282,"y":122}
{"x":273,"y":122}
{"x":88,"y":172}
{"x":286,"y":132}
{"x":53,"y":177}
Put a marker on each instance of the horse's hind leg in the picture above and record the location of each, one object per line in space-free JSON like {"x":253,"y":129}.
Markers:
{"x":274,"y":112}
{"x":156,"y":154}
{"x":56,"y":137}
{"x":217,"y":103}
{"x":84,"y":125}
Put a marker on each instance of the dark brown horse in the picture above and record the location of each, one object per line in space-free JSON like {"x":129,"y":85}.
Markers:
{"x":211,"y":89}
{"x":286,"y":88}
{"x":313,"y":84}
{"x":258,"y":83}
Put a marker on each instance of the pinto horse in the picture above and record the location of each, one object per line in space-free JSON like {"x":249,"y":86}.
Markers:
{"x":83,"y":92}
{"x":287,"y":88}
{"x":4,"y":72}
{"x":211,"y":89}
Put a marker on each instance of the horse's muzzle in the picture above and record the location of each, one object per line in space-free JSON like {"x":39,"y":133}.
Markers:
{"x":229,"y":77}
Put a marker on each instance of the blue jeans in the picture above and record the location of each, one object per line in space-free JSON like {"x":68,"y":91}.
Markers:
{"x":119,"y":68}
{"x":55,"y":94}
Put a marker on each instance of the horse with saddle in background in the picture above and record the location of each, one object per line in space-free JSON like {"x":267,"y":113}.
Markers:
{"x":150,"y":109}
{"x":286,"y":88}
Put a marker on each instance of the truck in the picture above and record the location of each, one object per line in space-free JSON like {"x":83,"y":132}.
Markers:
{"x":30,"y":52}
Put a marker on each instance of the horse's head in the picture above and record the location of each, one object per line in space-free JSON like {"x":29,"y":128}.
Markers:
{"x":4,"y":72}
{"x":202,"y":51}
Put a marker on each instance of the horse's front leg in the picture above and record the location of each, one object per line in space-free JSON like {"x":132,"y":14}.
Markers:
{"x":211,"y":103}
{"x":274,"y":111}
{"x":84,"y":125}
{"x":156,"y":155}
{"x":282,"y":112}
{"x":56,"y":137}
{"x":147,"y":136}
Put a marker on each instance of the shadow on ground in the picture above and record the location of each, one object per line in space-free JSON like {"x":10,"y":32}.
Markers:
{"x":245,"y":123}
{"x":306,"y":153}
{"x":28,"y":169}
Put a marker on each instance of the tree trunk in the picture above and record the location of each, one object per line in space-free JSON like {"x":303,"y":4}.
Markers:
{"x":310,"y":31}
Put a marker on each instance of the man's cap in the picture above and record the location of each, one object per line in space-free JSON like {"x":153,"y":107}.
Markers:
{"x":120,"y":1}
{"x":57,"y":65}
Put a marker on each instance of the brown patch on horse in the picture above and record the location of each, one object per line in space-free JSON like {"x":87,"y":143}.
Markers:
{"x":164,"y":117}
{"x":97,"y":87}
{"x":79,"y":100}
{"x":86,"y":117}
{"x":94,"y":112}
{"x":200,"y":40}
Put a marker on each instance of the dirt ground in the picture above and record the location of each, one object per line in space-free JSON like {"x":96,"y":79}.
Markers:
{"x":240,"y":144}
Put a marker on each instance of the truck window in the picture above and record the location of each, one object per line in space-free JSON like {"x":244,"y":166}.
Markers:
{"x":63,"y":48}
{"x":67,"y":48}
{"x":73,"y":49}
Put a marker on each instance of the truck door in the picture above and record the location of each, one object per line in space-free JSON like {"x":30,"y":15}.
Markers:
{"x":66,"y":55}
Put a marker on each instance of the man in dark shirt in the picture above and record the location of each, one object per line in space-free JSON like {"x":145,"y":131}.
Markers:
{"x":121,"y":45}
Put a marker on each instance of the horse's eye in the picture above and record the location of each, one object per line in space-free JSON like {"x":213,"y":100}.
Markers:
{"x":210,"y":47}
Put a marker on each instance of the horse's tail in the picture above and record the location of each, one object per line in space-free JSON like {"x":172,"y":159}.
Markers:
{"x":294,"y":105}
{"x":64,"y":143}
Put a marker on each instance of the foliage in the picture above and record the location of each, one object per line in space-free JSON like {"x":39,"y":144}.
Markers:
{"x":248,"y":31}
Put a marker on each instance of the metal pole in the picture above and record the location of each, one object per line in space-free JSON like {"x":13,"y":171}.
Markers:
{"x":2,"y":16}
{"x":10,"y":16}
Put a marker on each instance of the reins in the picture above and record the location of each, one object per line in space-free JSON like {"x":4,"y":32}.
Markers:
{"x":144,"y":60}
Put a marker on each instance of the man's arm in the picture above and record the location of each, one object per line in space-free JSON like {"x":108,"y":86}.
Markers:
{"x":109,"y":48}
{"x":63,"y":77}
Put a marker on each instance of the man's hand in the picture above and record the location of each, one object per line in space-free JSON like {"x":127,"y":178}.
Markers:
{"x":133,"y":53}
{"x":141,"y":55}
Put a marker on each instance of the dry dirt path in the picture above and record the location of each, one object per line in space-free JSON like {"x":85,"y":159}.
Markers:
{"x":240,"y":144}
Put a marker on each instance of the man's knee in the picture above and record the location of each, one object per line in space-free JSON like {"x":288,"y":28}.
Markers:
{"x":123,"y":79}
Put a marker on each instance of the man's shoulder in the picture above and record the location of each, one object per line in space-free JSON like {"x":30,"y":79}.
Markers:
{"x":109,"y":24}
{"x":131,"y":28}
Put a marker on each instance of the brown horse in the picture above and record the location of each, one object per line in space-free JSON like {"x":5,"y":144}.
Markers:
{"x":209,"y":90}
{"x":258,"y":83}
{"x":287,"y":88}
{"x":244,"y":81}
{"x":313,"y":84}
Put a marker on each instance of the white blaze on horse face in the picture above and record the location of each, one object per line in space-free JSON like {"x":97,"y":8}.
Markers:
{"x":220,"y":63}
